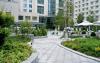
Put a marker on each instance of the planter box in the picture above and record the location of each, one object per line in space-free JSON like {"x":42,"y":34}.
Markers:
{"x":32,"y":59}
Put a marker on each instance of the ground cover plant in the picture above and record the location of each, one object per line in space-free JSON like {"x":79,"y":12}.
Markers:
{"x":15,"y":50}
{"x":89,"y":46}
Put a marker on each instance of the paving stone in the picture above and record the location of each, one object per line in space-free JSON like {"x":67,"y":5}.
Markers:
{"x":50,"y":52}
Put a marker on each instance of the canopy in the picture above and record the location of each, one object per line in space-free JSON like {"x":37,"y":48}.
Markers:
{"x":85,"y":23}
{"x":97,"y":23}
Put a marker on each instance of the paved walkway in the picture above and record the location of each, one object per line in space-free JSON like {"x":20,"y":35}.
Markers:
{"x":50,"y":52}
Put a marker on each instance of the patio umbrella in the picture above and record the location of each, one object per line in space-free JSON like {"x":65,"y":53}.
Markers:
{"x":85,"y":23}
{"x":97,"y":23}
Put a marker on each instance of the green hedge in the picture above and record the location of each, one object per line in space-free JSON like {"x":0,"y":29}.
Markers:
{"x":15,"y":50}
{"x":40,"y":32}
{"x":89,"y":46}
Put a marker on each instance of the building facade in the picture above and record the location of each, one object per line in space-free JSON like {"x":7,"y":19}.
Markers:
{"x":42,"y":11}
{"x":87,"y":7}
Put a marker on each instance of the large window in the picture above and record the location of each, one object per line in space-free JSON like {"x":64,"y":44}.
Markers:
{"x":61,"y":3}
{"x":40,"y":9}
{"x":20,"y":17}
{"x":27,"y":17}
{"x":40,"y":1}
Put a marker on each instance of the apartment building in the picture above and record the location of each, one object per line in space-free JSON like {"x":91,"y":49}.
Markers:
{"x":40,"y":11}
{"x":10,"y":6}
{"x":87,"y":7}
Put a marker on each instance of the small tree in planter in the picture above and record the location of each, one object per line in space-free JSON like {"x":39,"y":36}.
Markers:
{"x":6,"y":20}
{"x":25,"y":28}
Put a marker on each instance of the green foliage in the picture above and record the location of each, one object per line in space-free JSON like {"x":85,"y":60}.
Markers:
{"x":26,"y":27}
{"x":15,"y":50}
{"x":90,"y":18}
{"x":80,"y":18}
{"x":60,"y":19}
{"x":63,"y":19}
{"x":40,"y":32}
{"x":6,"y":20}
{"x":89,"y":46}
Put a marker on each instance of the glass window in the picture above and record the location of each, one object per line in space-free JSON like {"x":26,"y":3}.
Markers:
{"x":34,"y":18}
{"x":20,"y":17}
{"x":40,"y":9}
{"x":27,"y":17}
{"x":30,"y":10}
{"x":30,"y":5}
{"x":40,"y":1}
{"x":25,"y":5}
{"x":61,"y":3}
{"x":25,"y":10}
{"x":30,"y":1}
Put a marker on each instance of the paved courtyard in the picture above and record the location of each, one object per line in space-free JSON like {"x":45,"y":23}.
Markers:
{"x":50,"y":52}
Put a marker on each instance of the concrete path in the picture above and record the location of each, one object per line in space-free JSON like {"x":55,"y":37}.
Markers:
{"x":50,"y":52}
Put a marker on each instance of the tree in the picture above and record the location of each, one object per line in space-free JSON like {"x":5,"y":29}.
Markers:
{"x":25,"y":28}
{"x":80,"y":18}
{"x":6,"y":20}
{"x":59,"y":20}
{"x":69,"y":8}
{"x":90,"y":18}
{"x":64,"y":17}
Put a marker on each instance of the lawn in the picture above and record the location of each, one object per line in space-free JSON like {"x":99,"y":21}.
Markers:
{"x":15,"y":50}
{"x":89,"y":46}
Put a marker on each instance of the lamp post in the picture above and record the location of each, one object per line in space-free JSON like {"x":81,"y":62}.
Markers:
{"x":65,"y":15}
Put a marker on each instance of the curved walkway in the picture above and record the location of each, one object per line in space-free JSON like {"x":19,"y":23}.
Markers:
{"x":50,"y":52}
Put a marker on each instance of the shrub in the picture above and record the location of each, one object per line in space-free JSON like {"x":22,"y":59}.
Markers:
{"x":40,"y":32}
{"x":93,"y":34}
{"x":89,"y":46}
{"x":15,"y":50}
{"x":6,"y":20}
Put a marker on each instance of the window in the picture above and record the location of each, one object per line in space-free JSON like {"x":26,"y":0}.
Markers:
{"x":25,"y":5}
{"x":87,"y":8}
{"x":79,"y":6}
{"x":86,"y":12}
{"x":34,"y":18}
{"x":97,"y":11}
{"x":25,"y":1}
{"x":40,"y":9}
{"x":83,"y":9}
{"x":8,"y":13}
{"x":40,"y":1}
{"x":83,"y":5}
{"x":61,"y":3}
{"x":25,"y":10}
{"x":30,"y":5}
{"x":30,"y":10}
{"x":92,"y":3}
{"x":92,"y":7}
{"x":20,"y":17}
{"x":79,"y":2}
{"x":27,"y":17}
{"x":82,"y":0}
{"x":9,"y":0}
{"x":86,"y":3}
{"x":97,"y":6}
{"x":30,"y":1}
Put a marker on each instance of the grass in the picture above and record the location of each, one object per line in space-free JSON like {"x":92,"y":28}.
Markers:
{"x":15,"y":50}
{"x":89,"y":46}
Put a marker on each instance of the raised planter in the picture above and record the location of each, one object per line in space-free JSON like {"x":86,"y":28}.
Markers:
{"x":36,"y":37}
{"x":81,"y":54}
{"x":32,"y":59}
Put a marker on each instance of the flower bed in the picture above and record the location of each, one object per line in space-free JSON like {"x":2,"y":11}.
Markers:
{"x":15,"y":50}
{"x":89,"y":46}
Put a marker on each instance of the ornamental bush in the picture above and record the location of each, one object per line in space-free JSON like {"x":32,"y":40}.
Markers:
{"x":6,"y":20}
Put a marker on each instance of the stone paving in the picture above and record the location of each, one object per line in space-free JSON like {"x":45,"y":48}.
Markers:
{"x":50,"y":52}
